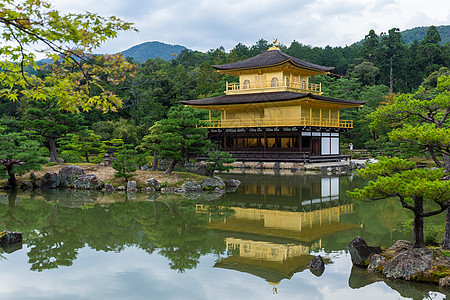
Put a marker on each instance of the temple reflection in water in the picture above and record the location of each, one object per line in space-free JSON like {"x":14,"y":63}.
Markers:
{"x":278,"y":222}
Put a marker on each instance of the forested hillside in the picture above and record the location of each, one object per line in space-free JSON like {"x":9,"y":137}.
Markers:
{"x":418,"y":33}
{"x":148,"y":50}
{"x":381,"y":65}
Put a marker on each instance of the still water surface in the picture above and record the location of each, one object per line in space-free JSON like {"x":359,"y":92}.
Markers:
{"x":254,"y":243}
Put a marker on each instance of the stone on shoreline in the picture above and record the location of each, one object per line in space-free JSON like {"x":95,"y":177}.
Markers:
{"x":168,"y":190}
{"x":191,"y":186}
{"x":408,"y":264}
{"x":152,"y":182}
{"x":68,"y":174}
{"x":232,"y":183}
{"x":360,"y":251}
{"x":50,"y":181}
{"x":402,"y":261}
{"x":86,"y":182}
{"x":212,"y":183}
{"x":131,"y":186}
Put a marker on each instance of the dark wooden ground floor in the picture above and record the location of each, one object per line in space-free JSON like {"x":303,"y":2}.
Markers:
{"x":293,"y":144}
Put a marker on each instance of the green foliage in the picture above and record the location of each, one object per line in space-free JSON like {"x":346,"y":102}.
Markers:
{"x":19,"y":153}
{"x":216,"y":162}
{"x":125,"y":163}
{"x":123,"y":129}
{"x":181,"y":136}
{"x":52,"y":123}
{"x":396,"y":178}
{"x":81,"y":145}
{"x":111,"y":146}
{"x":68,"y":40}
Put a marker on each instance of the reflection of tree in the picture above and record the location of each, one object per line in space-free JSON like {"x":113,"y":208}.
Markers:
{"x":56,"y":228}
{"x":180,"y":234}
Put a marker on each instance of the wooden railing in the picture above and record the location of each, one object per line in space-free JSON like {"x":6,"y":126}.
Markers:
{"x":316,"y":122}
{"x":301,"y":87}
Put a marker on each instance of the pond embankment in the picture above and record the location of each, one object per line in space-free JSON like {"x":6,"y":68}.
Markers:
{"x":98,"y":177}
{"x":402,"y":261}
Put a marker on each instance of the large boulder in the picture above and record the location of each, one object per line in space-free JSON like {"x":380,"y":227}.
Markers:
{"x":408,"y":263}
{"x":68,"y":174}
{"x":212,"y":183}
{"x":50,"y":181}
{"x":360,"y":251}
{"x":191,"y":186}
{"x":87,"y":182}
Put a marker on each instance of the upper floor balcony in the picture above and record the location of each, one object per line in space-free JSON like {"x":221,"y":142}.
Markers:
{"x":273,"y":86}
{"x":285,"y":122}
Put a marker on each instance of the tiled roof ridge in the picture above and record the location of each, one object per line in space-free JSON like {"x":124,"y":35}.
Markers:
{"x":270,"y":58}
{"x":263,"y":97}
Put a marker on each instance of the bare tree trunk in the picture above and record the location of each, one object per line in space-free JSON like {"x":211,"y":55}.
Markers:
{"x":171,"y":167}
{"x":12,"y":176}
{"x":155,"y":160}
{"x":435,"y":159}
{"x":446,"y":162}
{"x":418,"y":223}
{"x":446,"y":241}
{"x":53,"y":151}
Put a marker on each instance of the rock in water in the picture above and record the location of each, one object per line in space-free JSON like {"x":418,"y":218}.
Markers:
{"x":317,"y":266}
{"x":68,"y":175}
{"x":191,"y":186}
{"x":360,"y":251}
{"x":232,"y":183}
{"x":409,"y":263}
{"x":87,"y":182}
{"x":212,"y":183}
{"x":50,"y":181}
{"x":9,"y":237}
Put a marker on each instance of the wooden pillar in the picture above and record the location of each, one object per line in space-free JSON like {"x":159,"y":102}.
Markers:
{"x":300,"y":146}
{"x":320,"y":117}
{"x":329,"y":117}
{"x":265,"y":142}
{"x":310,"y":116}
{"x":225,"y":141}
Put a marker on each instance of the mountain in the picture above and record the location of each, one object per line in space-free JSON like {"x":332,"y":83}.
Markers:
{"x":418,"y":33}
{"x":147,"y":50}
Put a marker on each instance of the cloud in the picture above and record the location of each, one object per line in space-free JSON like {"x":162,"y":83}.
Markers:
{"x":206,"y":24}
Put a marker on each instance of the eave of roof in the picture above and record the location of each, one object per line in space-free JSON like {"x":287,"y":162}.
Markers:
{"x":265,"y":97}
{"x":270,"y":59}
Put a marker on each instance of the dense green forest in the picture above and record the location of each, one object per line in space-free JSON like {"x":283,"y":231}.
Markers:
{"x":382,"y":66}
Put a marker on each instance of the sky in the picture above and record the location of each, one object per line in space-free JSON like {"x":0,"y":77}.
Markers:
{"x":208,"y":24}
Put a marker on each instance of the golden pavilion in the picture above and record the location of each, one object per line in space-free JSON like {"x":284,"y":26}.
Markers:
{"x":275,"y":112}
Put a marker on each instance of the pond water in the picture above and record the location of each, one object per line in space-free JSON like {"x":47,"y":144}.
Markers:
{"x":254,"y":243}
